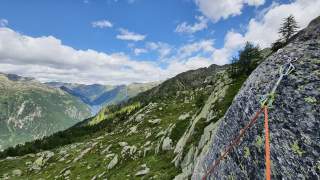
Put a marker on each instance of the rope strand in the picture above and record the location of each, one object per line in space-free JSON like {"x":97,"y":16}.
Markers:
{"x":267,"y":144}
{"x":234,"y":142}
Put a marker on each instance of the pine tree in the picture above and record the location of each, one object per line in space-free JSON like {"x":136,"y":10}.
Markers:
{"x":288,"y":28}
{"x":233,"y":68}
{"x":248,"y":58}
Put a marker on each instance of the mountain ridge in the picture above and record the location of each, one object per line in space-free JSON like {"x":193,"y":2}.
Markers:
{"x":26,"y":110}
{"x":96,"y":95}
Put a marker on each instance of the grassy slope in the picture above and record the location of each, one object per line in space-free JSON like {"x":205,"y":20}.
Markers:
{"x":114,"y":129}
{"x":44,"y":112}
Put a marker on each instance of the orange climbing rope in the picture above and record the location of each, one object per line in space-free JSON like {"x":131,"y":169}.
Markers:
{"x":266,"y":102}
{"x":236,"y":141}
{"x":267,"y":144}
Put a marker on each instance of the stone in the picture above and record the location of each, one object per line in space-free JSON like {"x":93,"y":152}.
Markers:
{"x":147,"y":143}
{"x":41,"y":160}
{"x":113,"y":162}
{"x":17,"y":172}
{"x":155,"y":121}
{"x":128,"y":150}
{"x":106,"y":150}
{"x":109,"y":155}
{"x":94,"y":177}
{"x":167,"y":144}
{"x":144,"y":171}
{"x":133,"y":130}
{"x":139,"y":117}
{"x":161,"y":133}
{"x":122,"y":144}
{"x":64,"y":170}
{"x":101,"y":175}
{"x":10,"y":158}
{"x":84,"y":152}
{"x":67,"y":173}
{"x":183,"y":116}
{"x":148,"y":134}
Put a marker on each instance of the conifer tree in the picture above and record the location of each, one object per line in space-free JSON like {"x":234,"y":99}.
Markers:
{"x":288,"y":28}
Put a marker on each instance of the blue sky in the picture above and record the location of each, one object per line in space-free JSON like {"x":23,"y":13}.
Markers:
{"x":134,"y":40}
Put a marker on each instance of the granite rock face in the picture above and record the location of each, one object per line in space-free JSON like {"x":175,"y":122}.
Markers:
{"x":294,"y":119}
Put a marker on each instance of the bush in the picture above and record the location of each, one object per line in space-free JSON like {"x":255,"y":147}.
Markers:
{"x":179,"y":129}
{"x":277,"y":45}
{"x":200,"y":100}
{"x":249,"y":58}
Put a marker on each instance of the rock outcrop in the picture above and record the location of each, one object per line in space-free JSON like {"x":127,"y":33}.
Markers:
{"x":293,"y":119}
{"x":113,"y":162}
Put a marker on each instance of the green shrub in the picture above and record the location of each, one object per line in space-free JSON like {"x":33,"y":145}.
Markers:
{"x":277,"y":45}
{"x":179,"y":129}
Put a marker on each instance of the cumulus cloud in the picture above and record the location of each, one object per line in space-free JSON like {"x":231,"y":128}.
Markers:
{"x":202,"y":46}
{"x":138,"y":51}
{"x":162,"y":48}
{"x":222,"y":9}
{"x":130,"y":36}
{"x":102,"y":24}
{"x":263,"y":30}
{"x":202,"y":23}
{"x":191,"y":56}
{"x":4,"y":22}
{"x":195,"y":62}
{"x":46,"y":58}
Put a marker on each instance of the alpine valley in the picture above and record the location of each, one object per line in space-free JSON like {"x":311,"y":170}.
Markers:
{"x":178,"y":129}
{"x":31,"y":110}
{"x":96,"y":95}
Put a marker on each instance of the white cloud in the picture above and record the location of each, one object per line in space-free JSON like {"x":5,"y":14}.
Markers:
{"x":187,"y":64}
{"x":222,"y":9}
{"x":263,"y":30}
{"x":46,"y":58}
{"x":4,"y":22}
{"x":138,"y":51}
{"x":102,"y":24}
{"x":130,"y":36}
{"x":232,"y":43}
{"x":190,"y":29}
{"x":191,"y":56}
{"x":202,"y":46}
{"x":162,"y":48}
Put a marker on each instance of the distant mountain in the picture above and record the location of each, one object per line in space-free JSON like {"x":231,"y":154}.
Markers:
{"x":31,"y":110}
{"x":96,"y":95}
